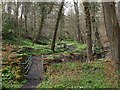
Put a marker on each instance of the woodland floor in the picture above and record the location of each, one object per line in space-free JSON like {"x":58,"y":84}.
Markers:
{"x":95,"y":74}
{"x":67,"y":68}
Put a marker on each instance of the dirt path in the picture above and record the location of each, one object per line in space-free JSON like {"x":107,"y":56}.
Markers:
{"x":35,"y":75}
{"x":31,"y":85}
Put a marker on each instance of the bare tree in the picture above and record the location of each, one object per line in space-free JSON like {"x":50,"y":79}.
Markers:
{"x":44,"y":12}
{"x":9,"y":9}
{"x":25,"y":16}
{"x":112,"y":29}
{"x":56,"y":26}
{"x":95,"y":19}
{"x":88,"y":32}
{"x":119,"y":8}
{"x":119,"y":12}
{"x":80,"y":36}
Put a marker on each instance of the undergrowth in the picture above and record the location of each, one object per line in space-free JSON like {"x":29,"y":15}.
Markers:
{"x":9,"y":81}
{"x":76,"y":75}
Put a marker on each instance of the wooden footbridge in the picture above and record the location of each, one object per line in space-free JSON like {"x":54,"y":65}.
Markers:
{"x":33,"y":71}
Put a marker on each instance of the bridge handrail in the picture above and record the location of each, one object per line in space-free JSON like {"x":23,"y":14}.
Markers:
{"x":28,"y":60}
{"x":28,"y":68}
{"x":27,"y":64}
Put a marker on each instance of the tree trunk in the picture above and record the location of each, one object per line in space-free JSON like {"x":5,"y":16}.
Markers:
{"x":21,"y":19}
{"x":80,"y":36}
{"x":44,"y":12}
{"x":25,"y":16}
{"x":34,"y":21}
{"x":16,"y":18}
{"x":3,"y":8}
{"x":88,"y":31}
{"x":95,"y":20}
{"x":113,"y":30}
{"x":40,"y":27}
{"x":9,"y":10}
{"x":62,"y":23}
{"x":119,"y":12}
{"x":43,"y":16}
{"x":56,"y":26}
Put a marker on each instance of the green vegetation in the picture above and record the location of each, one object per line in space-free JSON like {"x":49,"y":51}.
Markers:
{"x":62,"y":75}
{"x":67,"y":41}
{"x":94,"y":75}
{"x":8,"y":79}
{"x":5,"y":58}
{"x":53,"y":56}
{"x":26,"y":47}
{"x":76,"y":75}
{"x":73,"y":46}
{"x":38,"y":49}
